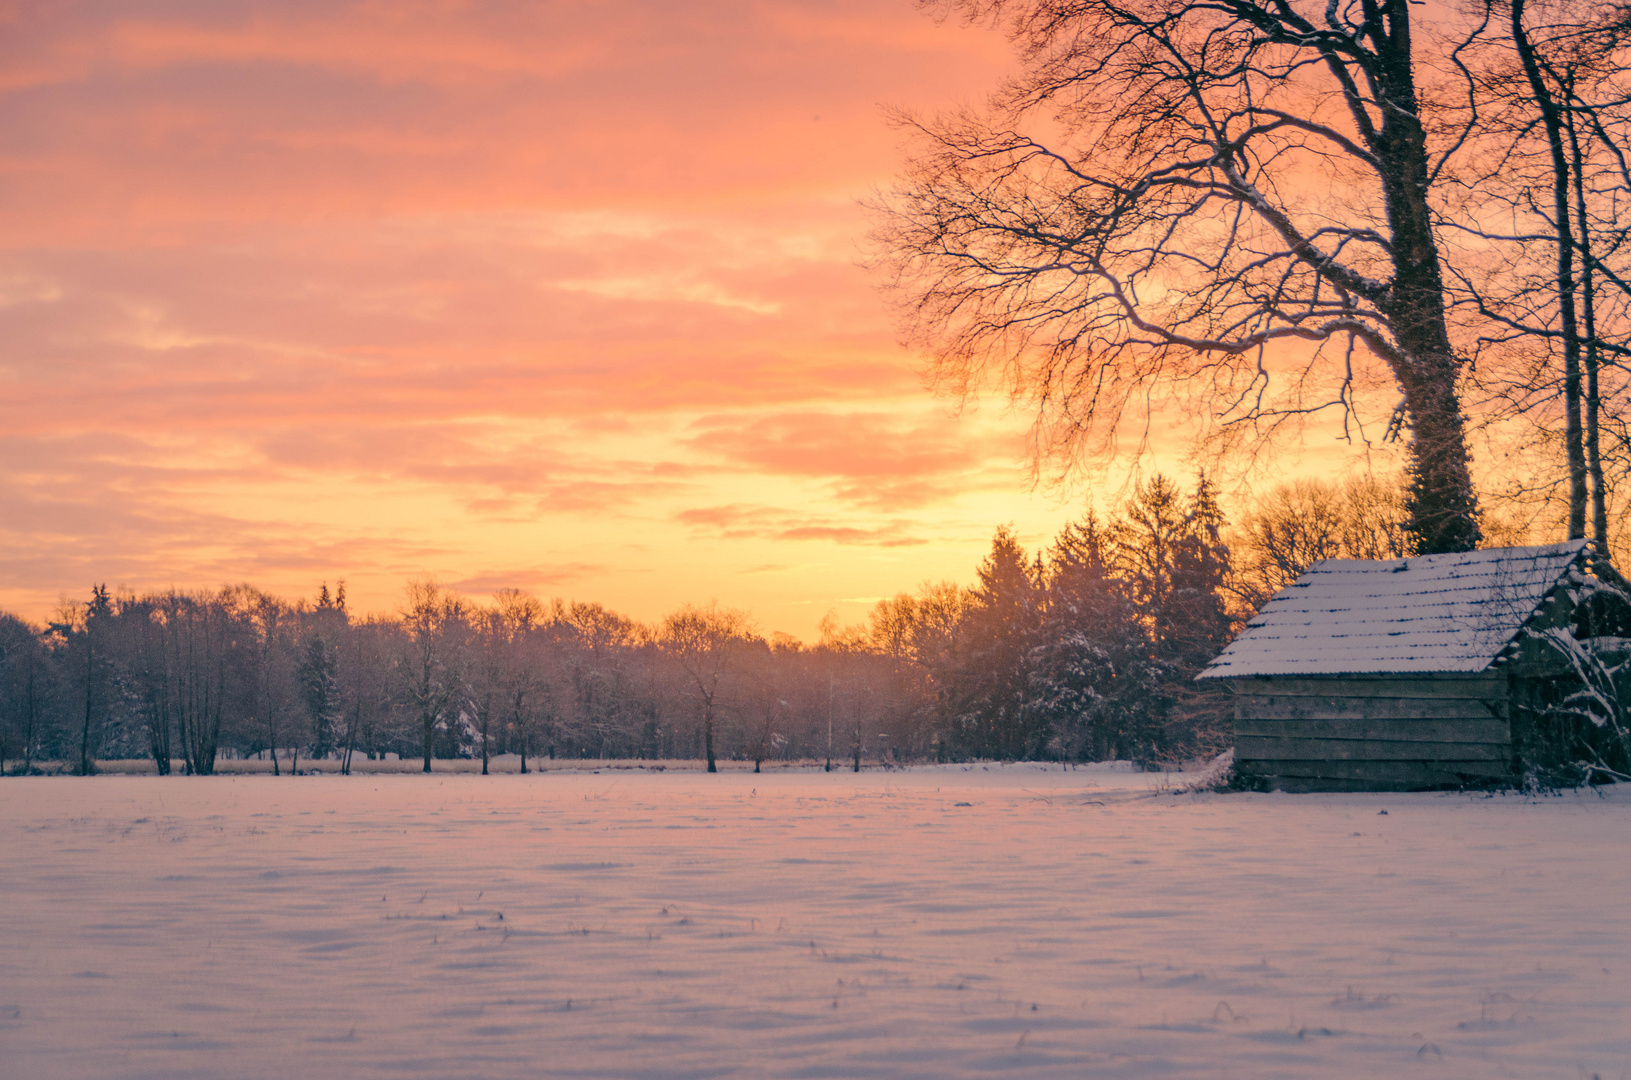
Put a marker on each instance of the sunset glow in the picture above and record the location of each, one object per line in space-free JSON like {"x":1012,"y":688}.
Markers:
{"x":566,"y":297}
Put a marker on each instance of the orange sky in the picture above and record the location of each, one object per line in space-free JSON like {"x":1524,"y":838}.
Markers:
{"x":563,"y":296}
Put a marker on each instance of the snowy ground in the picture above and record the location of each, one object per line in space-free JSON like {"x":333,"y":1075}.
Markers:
{"x":932,"y":923}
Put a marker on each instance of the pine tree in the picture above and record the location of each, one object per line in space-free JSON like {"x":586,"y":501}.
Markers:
{"x":1197,"y":620}
{"x":987,"y":689}
{"x":320,"y":688}
{"x":98,"y":613}
{"x":1085,"y":672}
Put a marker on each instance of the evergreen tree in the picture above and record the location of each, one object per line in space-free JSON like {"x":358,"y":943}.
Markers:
{"x":318,"y":673}
{"x":1197,"y":620}
{"x":987,"y":691}
{"x":1133,"y":610}
{"x":1147,"y":537}
{"x":1085,"y":670}
{"x":92,"y":665}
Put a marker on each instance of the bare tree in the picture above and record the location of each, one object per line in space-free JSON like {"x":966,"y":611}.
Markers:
{"x":704,"y":641}
{"x":200,"y":635}
{"x":148,"y":664}
{"x":273,"y":700}
{"x":1295,"y":525}
{"x":763,"y":705}
{"x":528,"y":629}
{"x":1563,"y":223}
{"x":604,"y":671}
{"x":1178,"y":199}
{"x":364,"y":677}
{"x":485,"y":674}
{"x":433,"y":619}
{"x":1374,"y":523}
{"x":1288,"y":530}
{"x":1552,"y":106}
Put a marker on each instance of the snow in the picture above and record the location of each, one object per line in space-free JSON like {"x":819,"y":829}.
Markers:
{"x":1432,"y":613}
{"x":944,"y":922}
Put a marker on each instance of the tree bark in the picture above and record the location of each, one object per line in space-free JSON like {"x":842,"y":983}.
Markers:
{"x":1442,"y":505}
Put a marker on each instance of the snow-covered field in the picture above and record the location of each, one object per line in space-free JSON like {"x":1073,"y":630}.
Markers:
{"x":929,"y":923}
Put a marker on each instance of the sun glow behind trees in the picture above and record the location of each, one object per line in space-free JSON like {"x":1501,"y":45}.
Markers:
{"x":1082,"y":651}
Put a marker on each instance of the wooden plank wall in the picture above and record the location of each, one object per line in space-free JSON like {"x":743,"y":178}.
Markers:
{"x":1372,"y":734}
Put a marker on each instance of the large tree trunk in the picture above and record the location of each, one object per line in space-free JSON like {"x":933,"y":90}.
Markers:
{"x":1440,"y":501}
{"x":1442,"y":505}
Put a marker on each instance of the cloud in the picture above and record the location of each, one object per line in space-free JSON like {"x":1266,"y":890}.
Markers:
{"x":64,"y":537}
{"x":889,"y":536}
{"x":349,"y":326}
{"x":881,"y":460}
{"x":311,"y":110}
{"x":736,"y":521}
{"x":535,"y":579}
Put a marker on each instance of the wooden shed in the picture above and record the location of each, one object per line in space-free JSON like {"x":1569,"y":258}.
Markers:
{"x":1401,"y":674}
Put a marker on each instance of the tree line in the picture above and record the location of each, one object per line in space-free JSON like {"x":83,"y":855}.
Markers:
{"x":1082,"y":651}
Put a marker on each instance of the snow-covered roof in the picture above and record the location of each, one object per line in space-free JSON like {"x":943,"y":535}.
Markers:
{"x":1432,"y":613}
